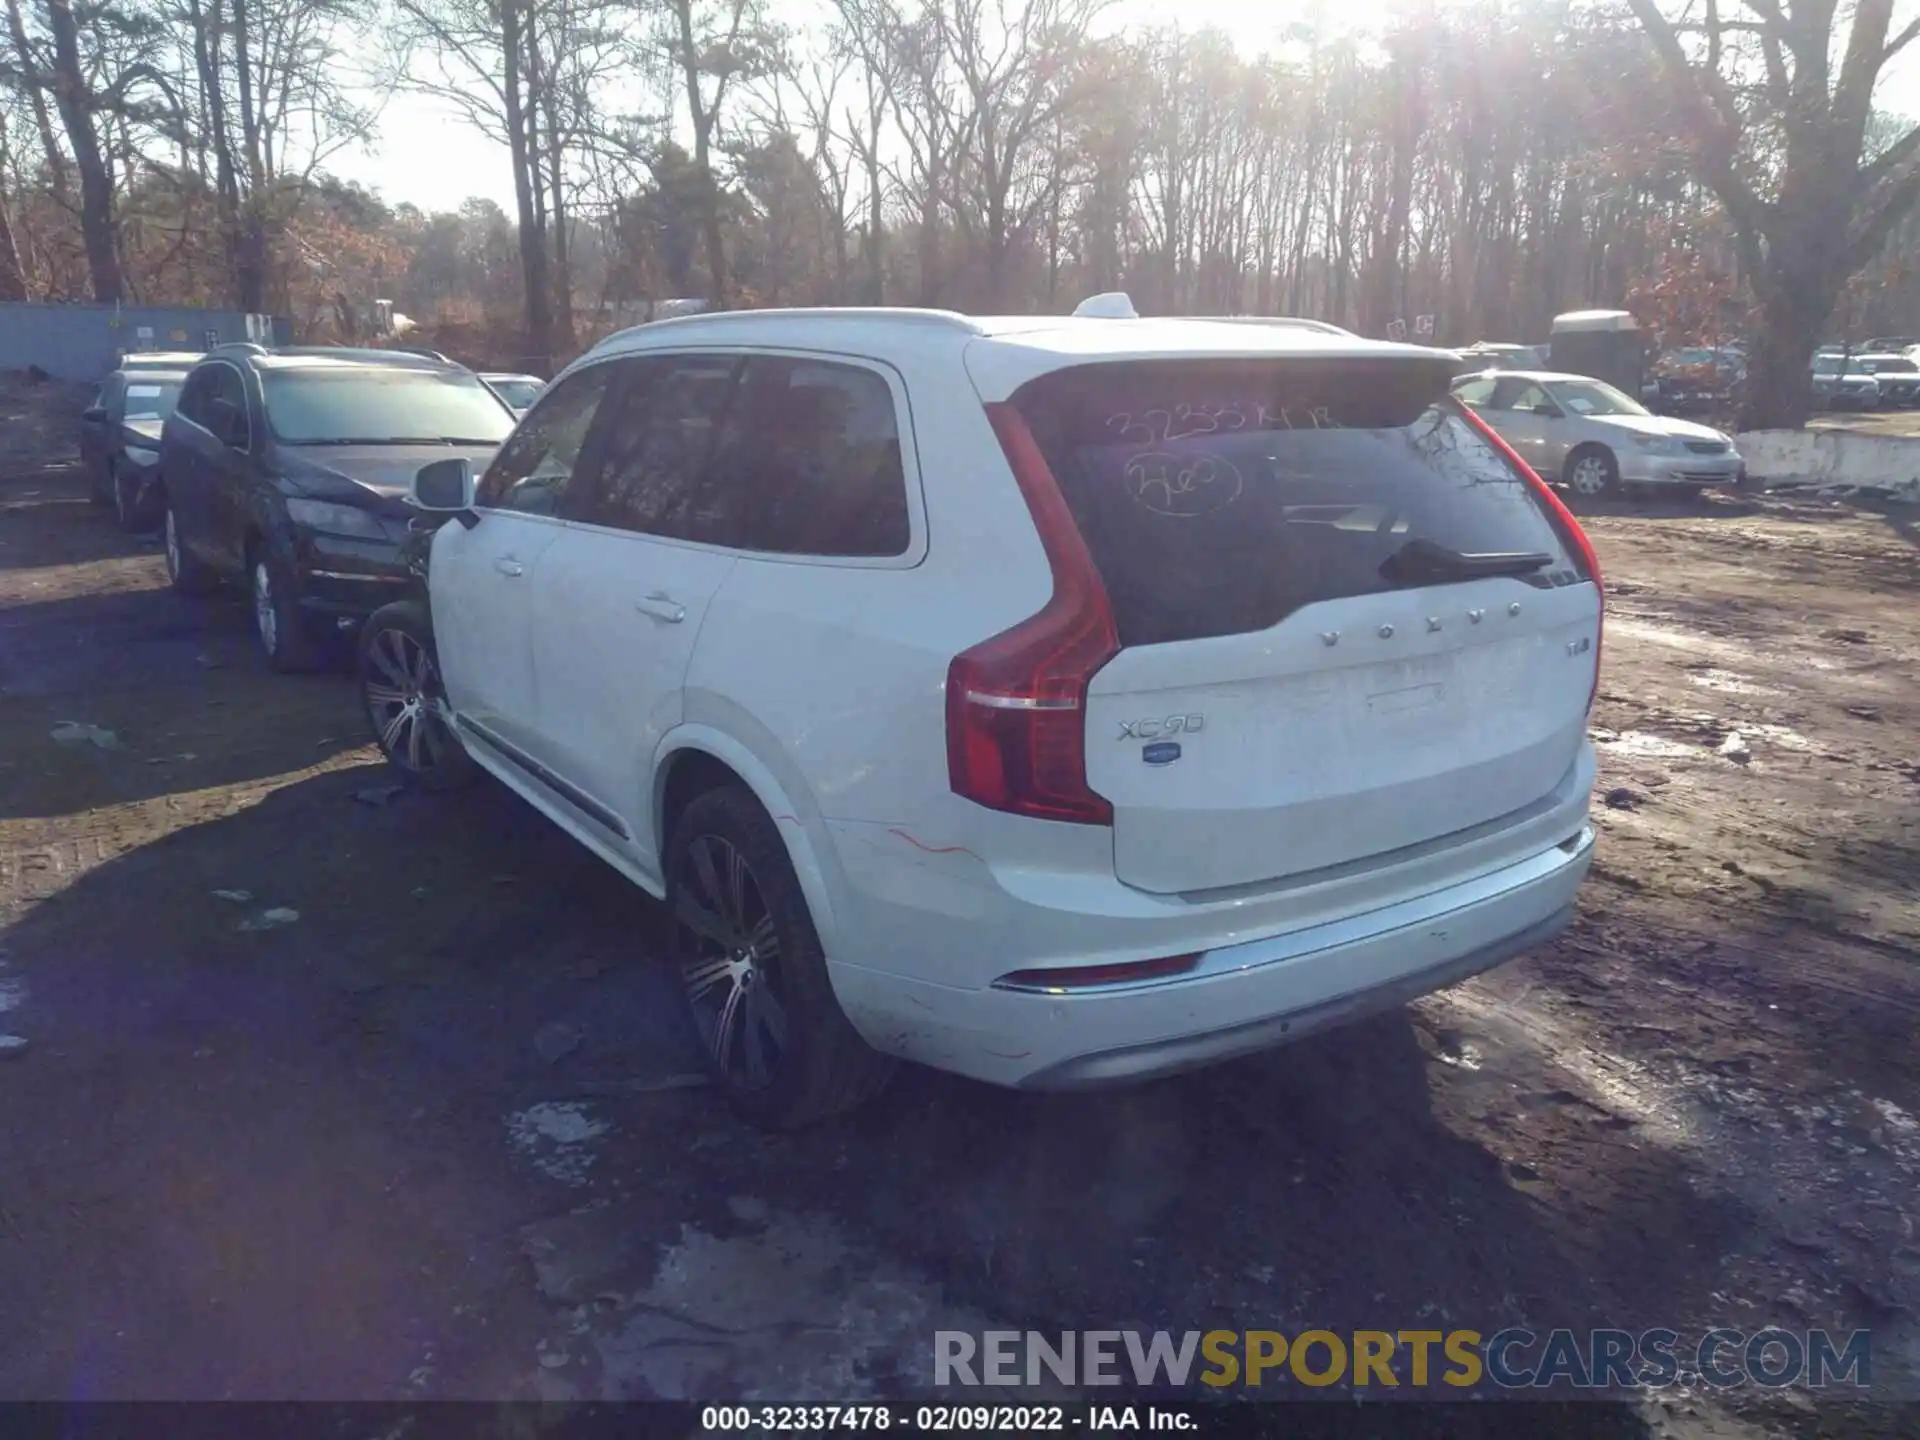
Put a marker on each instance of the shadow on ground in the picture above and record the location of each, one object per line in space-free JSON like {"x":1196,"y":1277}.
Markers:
{"x":263,"y":1159}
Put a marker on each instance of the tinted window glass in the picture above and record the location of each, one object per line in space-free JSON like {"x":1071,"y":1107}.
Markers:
{"x":657,"y":443}
{"x":377,"y":405}
{"x":1219,"y":498}
{"x":227,"y":407}
{"x":195,"y":394}
{"x":535,"y":469}
{"x":809,"y":461}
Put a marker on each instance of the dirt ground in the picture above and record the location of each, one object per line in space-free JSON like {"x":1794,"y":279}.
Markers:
{"x":438,"y":1135}
{"x":1905,"y":423}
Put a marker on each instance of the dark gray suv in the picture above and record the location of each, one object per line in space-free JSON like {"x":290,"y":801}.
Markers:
{"x":286,"y":471}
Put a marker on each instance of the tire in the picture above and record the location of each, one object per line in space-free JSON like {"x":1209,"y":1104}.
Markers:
{"x":286,"y":635}
{"x":752,"y":976}
{"x":122,"y":502}
{"x":125,"y":504}
{"x":187,"y":574}
{"x":1591,"y":472}
{"x":406,"y":702}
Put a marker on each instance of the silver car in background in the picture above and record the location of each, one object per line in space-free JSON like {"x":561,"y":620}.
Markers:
{"x":519,"y":391}
{"x":1595,"y":440}
{"x":1837,"y":384}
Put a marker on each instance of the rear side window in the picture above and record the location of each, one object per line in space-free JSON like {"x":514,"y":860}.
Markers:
{"x":1217,"y":498}
{"x":810,"y":456}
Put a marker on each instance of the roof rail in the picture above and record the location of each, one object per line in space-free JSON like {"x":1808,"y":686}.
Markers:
{"x":728,"y":319}
{"x":1295,"y":322}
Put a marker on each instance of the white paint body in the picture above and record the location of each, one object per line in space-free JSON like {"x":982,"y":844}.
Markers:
{"x":1350,"y":821}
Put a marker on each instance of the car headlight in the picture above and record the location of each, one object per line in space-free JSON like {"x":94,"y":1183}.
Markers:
{"x":336,"y":519}
{"x":1658,"y":444}
{"x":140,"y":454}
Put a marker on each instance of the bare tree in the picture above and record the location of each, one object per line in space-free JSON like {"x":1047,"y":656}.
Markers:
{"x":706,"y":47}
{"x":13,"y":275}
{"x":524,"y":72}
{"x":1780,"y":136}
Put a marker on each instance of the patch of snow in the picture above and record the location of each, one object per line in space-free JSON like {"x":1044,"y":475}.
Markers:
{"x":1728,"y":682}
{"x":1899,"y":1119}
{"x":270,"y":919}
{"x":1641,"y":743}
{"x":554,"y":1136}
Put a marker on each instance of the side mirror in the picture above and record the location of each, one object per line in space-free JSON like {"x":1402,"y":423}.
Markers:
{"x":94,"y":415}
{"x":444,"y":487}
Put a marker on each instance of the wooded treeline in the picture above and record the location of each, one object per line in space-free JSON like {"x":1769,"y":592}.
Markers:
{"x":1719,"y":166}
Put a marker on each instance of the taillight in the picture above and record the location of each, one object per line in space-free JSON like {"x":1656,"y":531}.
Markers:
{"x":1565,"y":522}
{"x":1016,"y":704}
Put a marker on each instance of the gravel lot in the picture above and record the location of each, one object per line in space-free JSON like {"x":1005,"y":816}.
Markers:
{"x":439,"y":1135}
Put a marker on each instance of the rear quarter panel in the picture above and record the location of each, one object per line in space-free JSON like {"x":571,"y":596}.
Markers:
{"x":833,"y":676}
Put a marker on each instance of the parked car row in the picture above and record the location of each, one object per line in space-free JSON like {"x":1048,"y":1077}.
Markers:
{"x":121,"y":430}
{"x":1865,"y":380}
{"x":1053,"y":701}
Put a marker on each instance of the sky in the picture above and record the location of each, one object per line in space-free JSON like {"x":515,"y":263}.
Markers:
{"x":426,"y":153}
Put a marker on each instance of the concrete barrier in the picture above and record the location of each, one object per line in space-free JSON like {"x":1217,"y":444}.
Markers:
{"x":1833,"y":461}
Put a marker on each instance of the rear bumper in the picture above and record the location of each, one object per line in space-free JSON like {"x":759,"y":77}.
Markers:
{"x":1242,"y":998}
{"x":1167,"y":1057}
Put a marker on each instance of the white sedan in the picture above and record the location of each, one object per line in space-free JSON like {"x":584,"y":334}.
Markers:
{"x":1595,"y":440}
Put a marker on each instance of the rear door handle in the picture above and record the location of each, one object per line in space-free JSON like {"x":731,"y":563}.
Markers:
{"x":662,"y":607}
{"x":507,"y":565}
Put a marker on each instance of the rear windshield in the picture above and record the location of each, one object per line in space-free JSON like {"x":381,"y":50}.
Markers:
{"x":1219,"y":498}
{"x":373,"y":406}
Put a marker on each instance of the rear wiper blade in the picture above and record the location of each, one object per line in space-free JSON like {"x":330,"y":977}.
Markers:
{"x":1419,"y":560}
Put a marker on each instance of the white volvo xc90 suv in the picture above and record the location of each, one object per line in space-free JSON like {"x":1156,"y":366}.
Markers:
{"x":1058,"y":701}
